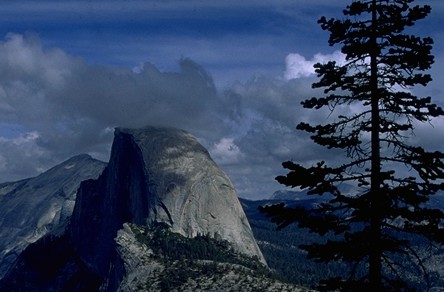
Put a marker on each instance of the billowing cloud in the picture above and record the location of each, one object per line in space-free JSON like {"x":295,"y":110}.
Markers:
{"x":54,"y":105}
{"x":69,"y":106}
{"x":226,"y":152}
{"x":21,"y":156}
{"x":297,"y":66}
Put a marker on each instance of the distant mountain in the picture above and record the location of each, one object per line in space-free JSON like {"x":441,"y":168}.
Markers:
{"x":280,"y":248}
{"x":289,"y":195}
{"x":35,"y":207}
{"x":283,"y":256}
{"x":156,"y":176}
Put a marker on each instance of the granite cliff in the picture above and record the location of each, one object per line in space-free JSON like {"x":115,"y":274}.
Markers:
{"x":155,"y":176}
{"x":158,"y":175}
{"x":32,"y":208}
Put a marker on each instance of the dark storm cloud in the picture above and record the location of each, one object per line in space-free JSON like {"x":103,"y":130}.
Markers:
{"x":63,"y":106}
{"x":71,"y":106}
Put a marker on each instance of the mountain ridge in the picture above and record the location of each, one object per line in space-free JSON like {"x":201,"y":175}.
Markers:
{"x":154,"y":176}
{"x":43,"y":203}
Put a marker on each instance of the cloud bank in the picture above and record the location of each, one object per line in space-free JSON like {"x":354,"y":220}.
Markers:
{"x":54,"y":105}
{"x":71,"y":106}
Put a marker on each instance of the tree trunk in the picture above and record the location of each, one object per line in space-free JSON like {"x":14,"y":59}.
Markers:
{"x":375,"y":254}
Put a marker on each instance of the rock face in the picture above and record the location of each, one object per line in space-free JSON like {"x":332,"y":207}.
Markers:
{"x":155,"y":177}
{"x":158,"y":175}
{"x":183,"y":187}
{"x":32,"y":208}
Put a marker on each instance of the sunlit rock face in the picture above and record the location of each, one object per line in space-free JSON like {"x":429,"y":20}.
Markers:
{"x":183,"y":187}
{"x":32,"y":208}
{"x":154,"y":176}
{"x":158,"y":175}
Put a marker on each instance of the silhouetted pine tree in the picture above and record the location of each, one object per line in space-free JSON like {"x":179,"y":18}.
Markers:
{"x":373,"y":228}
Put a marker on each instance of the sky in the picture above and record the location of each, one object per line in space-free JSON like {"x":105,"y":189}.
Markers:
{"x":233,"y":73}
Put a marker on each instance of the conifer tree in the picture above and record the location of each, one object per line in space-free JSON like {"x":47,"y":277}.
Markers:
{"x":394,"y":178}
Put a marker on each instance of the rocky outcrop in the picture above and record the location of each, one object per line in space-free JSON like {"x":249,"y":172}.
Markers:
{"x":158,"y":175}
{"x":32,"y":208}
{"x":148,"y":271}
{"x":179,"y":184}
{"x":155,"y":177}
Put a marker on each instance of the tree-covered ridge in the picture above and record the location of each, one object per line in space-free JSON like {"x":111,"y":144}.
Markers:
{"x":395,"y":177}
{"x":171,"y":262}
{"x":173,"y":246}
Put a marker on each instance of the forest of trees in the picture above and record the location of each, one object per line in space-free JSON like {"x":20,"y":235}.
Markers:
{"x":173,"y":246}
{"x":375,"y":230}
{"x":187,"y":258}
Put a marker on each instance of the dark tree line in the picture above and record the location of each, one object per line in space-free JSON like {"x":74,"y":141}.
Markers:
{"x":173,"y":246}
{"x":395,"y":177}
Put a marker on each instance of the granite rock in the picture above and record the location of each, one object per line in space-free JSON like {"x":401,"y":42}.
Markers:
{"x":34,"y":207}
{"x":158,"y":175}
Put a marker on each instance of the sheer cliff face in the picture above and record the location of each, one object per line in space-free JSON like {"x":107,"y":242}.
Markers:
{"x":183,"y":187}
{"x":161,"y":175}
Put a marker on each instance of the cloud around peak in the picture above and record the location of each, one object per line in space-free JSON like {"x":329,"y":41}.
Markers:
{"x":54,"y":105}
{"x":70,"y":103}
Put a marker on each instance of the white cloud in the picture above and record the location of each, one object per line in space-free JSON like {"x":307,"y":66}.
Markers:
{"x":26,"y":57}
{"x":21,"y":156}
{"x":297,"y":66}
{"x":226,"y":152}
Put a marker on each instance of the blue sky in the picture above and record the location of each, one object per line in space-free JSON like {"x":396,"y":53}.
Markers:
{"x":231,"y":39}
{"x":231,"y":72}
